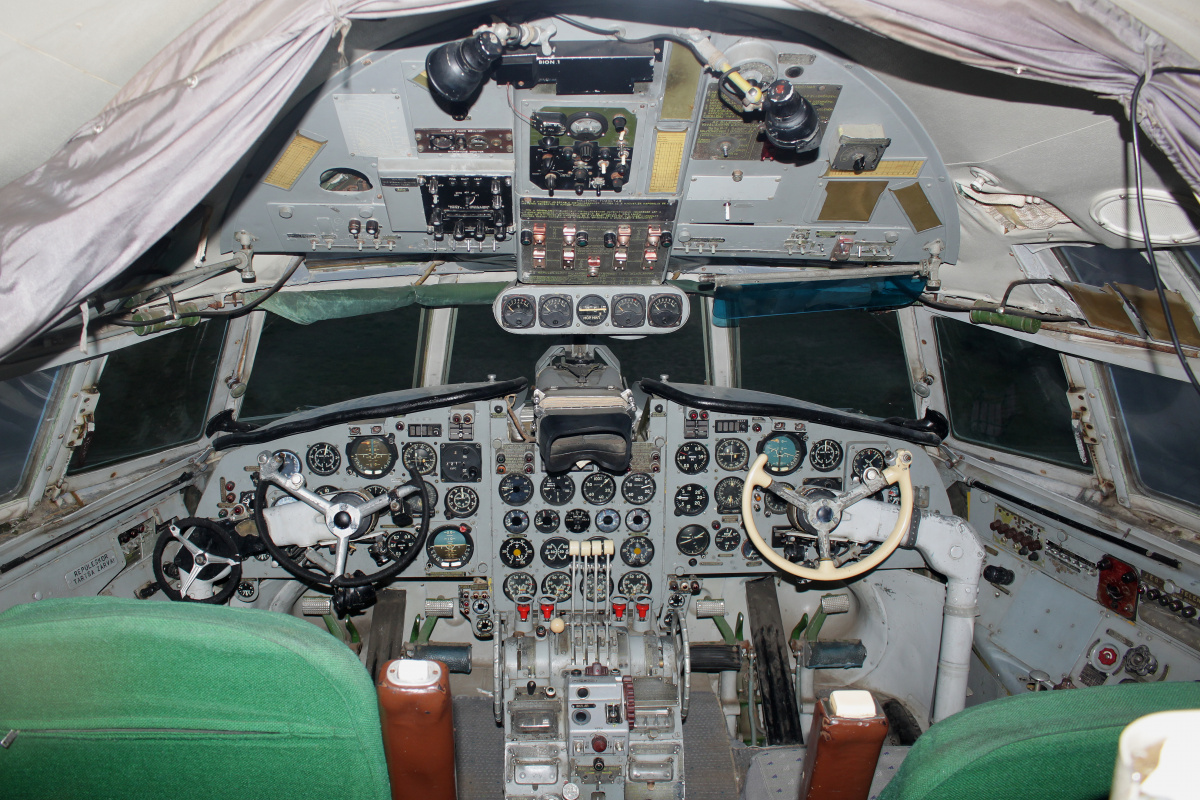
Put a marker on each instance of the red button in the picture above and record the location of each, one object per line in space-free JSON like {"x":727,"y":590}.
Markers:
{"x":1107,"y":656}
{"x":599,"y":743}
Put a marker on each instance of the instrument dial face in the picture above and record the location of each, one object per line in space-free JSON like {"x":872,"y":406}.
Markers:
{"x":666,"y":310}
{"x":414,"y":506}
{"x":727,"y":539}
{"x":398,"y":543}
{"x":586,"y":126}
{"x":462,"y":463}
{"x":591,"y":310}
{"x":289,"y":462}
{"x":516,"y":489}
{"x":691,"y":458}
{"x":608,"y":520}
{"x":732,"y":454}
{"x":595,"y":589}
{"x":774,"y":503}
{"x":637,"y":520}
{"x":554,"y":311}
{"x":371,"y":456}
{"x":634,"y":583}
{"x":557,"y":585}
{"x":323,"y":459}
{"x":628,"y":311}
{"x":517,"y":311}
{"x":598,"y":488}
{"x":865,"y":458}
{"x":557,"y":490}
{"x":516,"y":552}
{"x":691,"y":499}
{"x":637,"y":488}
{"x":577,"y":520}
{"x":450,"y":548}
{"x":420,"y":457}
{"x":519,"y":583}
{"x":327,"y":489}
{"x":825,"y":456}
{"x":461,"y":501}
{"x":637,"y":551}
{"x":516,"y":521}
{"x":556,"y":552}
{"x":692,"y":540}
{"x":785,"y":452}
{"x":728,"y":494}
{"x":546,"y":520}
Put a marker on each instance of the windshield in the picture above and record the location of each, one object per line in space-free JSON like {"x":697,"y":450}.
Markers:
{"x":23,"y":404}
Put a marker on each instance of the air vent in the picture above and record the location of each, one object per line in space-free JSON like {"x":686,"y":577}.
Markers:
{"x":1171,"y":220}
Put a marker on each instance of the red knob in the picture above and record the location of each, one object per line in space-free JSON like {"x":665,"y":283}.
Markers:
{"x":643,"y":608}
{"x":599,"y":743}
{"x":523,"y":606}
{"x":546,"y":604}
{"x":619,"y":604}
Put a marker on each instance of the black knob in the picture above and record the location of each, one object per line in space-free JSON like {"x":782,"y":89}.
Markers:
{"x":1129,"y":577}
{"x":531,"y":687}
{"x":549,"y":142}
{"x":581,"y":239}
{"x":1164,"y":600}
{"x":460,"y":230}
{"x":526,"y":237}
{"x":1033,"y":556}
{"x":342,"y":519}
{"x":598,"y":765}
{"x":1104,"y":564}
{"x":998,"y":575}
{"x":667,"y":239}
{"x":480,"y":230}
{"x":618,"y":180}
{"x":1152,"y":594}
{"x":1188,"y":612}
{"x":1176,"y":606}
{"x":551,"y":182}
{"x":619,"y":122}
{"x":610,"y":239}
{"x":585,"y":150}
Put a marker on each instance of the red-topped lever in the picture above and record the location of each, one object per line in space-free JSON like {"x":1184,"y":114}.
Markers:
{"x":642,"y":603}
{"x":524,"y":603}
{"x":547,"y":604}
{"x":619,"y":603}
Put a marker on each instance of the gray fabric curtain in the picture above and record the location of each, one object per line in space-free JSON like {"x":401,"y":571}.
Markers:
{"x":124,"y":179}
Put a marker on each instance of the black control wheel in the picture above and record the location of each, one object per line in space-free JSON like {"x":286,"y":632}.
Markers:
{"x":204,"y":567}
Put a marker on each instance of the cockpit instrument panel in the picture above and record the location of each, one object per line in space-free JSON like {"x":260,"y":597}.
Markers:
{"x":623,"y":310}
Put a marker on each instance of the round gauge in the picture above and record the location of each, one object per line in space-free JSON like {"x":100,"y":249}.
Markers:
{"x":690,"y":500}
{"x":450,"y":547}
{"x":628,"y":311}
{"x":866,"y":458}
{"x":517,"y":311}
{"x":326,"y":489}
{"x":558,"y":586}
{"x":461,"y":501}
{"x":554,"y":311}
{"x":516,"y":521}
{"x":637,"y":488}
{"x":637,"y":551}
{"x":825,"y":456}
{"x":749,"y":551}
{"x":420,"y":457}
{"x":557,"y":490}
{"x":413,"y":505}
{"x":692,"y":540}
{"x":774,"y":503}
{"x":546,"y":520}
{"x":398,"y":543}
{"x":691,"y":458}
{"x":518,"y":584}
{"x":461,"y":462}
{"x":556,"y":552}
{"x":598,"y":488}
{"x":728,"y":494}
{"x":634,"y":583}
{"x":594,"y":589}
{"x":370,"y":456}
{"x":591,"y":310}
{"x":727,"y":539}
{"x":289,"y":462}
{"x":577,"y":520}
{"x":516,"y":489}
{"x":785,"y":452}
{"x":608,"y":520}
{"x":666,"y":310}
{"x":516,"y":552}
{"x":732,"y":454}
{"x":375,"y":490}
{"x":637,"y":520}
{"x":323,"y":459}
{"x":587,"y":126}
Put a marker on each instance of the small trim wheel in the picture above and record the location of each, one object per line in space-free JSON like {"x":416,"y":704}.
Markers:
{"x":205,"y":556}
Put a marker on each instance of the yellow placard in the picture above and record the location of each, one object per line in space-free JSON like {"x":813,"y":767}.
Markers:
{"x":668,"y":160}
{"x":886,"y":169}
{"x":295,"y":159}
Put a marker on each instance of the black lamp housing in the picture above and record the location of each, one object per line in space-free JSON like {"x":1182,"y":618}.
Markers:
{"x":457,"y":69}
{"x":790,"y":121}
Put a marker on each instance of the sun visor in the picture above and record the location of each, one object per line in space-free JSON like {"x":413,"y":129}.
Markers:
{"x":567,"y":437}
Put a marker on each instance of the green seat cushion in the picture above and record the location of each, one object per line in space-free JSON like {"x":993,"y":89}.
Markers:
{"x":115,"y":698}
{"x":1056,"y":744}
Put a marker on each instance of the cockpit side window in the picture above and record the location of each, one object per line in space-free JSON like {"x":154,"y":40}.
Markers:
{"x":1159,"y":416}
{"x":850,"y":360}
{"x":1007,"y":394}
{"x":153,"y":395}
{"x":23,"y":405}
{"x":308,"y":366}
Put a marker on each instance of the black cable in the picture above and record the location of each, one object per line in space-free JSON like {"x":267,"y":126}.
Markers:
{"x":1029,"y":282}
{"x":930,"y":301}
{"x":620,"y":37}
{"x":1141,"y":207}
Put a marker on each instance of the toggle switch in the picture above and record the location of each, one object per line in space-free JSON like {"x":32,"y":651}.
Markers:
{"x":539,"y":233}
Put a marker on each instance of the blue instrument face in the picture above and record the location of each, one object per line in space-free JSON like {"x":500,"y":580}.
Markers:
{"x":450,"y":547}
{"x":785,"y":453}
